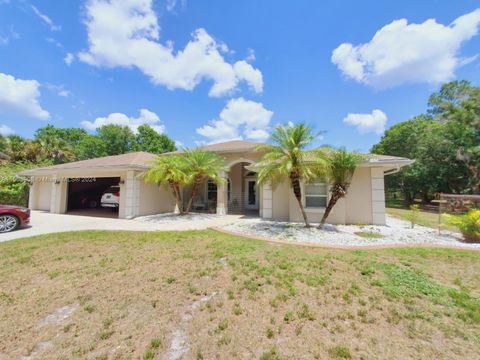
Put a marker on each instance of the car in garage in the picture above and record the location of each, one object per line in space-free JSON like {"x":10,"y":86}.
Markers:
{"x":111,"y":198}
{"x":12,"y":217}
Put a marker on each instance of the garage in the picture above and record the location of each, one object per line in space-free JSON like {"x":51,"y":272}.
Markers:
{"x":84,"y":196}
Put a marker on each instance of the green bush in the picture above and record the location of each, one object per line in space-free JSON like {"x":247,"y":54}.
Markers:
{"x":413,"y":215}
{"x":468,"y":224}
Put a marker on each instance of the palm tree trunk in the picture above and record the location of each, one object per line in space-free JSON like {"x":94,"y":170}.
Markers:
{"x":331,"y":203}
{"x":178,"y":198}
{"x":176,"y":195}
{"x":196,"y":185}
{"x":297,"y":191}
{"x":338,"y":191}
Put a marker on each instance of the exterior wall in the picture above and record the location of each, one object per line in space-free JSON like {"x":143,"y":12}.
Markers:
{"x":363,"y":204}
{"x":337,"y":215}
{"x":359,"y":198}
{"x":378,"y":197}
{"x":40,"y":194}
{"x":281,"y":202}
{"x":154,"y":200}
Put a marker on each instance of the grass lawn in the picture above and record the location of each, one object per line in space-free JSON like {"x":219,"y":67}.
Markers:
{"x":425,"y":218}
{"x":129,"y":294}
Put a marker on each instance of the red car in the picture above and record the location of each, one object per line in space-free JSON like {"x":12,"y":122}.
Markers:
{"x":11,"y":217}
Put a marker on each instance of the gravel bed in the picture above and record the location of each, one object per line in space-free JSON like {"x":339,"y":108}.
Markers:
{"x":172,"y":218}
{"x":395,"y":232}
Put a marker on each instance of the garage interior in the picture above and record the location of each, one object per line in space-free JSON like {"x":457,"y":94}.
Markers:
{"x":84,"y":195}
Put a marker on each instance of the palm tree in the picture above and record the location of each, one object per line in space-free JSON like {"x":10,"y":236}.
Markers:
{"x":168,"y":171}
{"x":339,"y":174}
{"x":288,"y":158}
{"x":201,"y":165}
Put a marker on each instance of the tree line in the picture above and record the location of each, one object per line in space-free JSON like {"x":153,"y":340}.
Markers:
{"x":444,"y":142}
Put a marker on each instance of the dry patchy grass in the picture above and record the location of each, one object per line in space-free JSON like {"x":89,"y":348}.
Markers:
{"x":134,"y":291}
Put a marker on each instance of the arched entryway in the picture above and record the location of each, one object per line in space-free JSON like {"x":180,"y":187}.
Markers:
{"x":240,"y":193}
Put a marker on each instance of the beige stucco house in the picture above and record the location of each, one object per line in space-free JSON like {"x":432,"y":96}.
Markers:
{"x":55,"y":188}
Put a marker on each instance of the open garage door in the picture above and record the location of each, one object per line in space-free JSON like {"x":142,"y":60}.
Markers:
{"x":85,"y":196}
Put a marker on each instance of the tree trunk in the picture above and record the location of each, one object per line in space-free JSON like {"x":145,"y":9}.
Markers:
{"x":338,"y":191}
{"x":197,"y":181}
{"x":176,"y":194}
{"x":407,"y":198}
{"x":297,"y":191}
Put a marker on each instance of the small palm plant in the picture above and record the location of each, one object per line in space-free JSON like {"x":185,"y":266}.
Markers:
{"x":169,"y":171}
{"x":201,"y":165}
{"x":339,"y":174}
{"x":288,"y":158}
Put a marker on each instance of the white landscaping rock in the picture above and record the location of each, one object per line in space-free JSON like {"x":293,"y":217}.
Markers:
{"x":173,"y":218}
{"x":395,"y":232}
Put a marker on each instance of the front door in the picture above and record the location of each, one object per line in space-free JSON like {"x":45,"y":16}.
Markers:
{"x":251,"y":194}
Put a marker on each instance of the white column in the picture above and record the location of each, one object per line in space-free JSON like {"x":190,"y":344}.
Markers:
{"x":132,"y":195}
{"x":32,"y":192}
{"x":53,"y":195}
{"x":378,"y":197}
{"x":266,"y":212}
{"x":222,"y":195}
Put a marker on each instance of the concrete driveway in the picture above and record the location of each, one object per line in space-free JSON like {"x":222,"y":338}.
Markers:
{"x":47,"y":223}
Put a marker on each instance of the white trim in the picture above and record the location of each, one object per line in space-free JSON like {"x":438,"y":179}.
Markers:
{"x":238,"y":161}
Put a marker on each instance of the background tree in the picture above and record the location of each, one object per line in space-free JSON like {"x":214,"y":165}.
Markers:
{"x":339,"y":173}
{"x":116,"y":139}
{"x":445,"y":144}
{"x":169,"y":171}
{"x":201,"y":165}
{"x":147,"y":139}
{"x":457,"y":105}
{"x":288,"y":158}
{"x":90,"y":147}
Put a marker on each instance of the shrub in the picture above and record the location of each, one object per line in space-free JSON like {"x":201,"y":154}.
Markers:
{"x":412,"y":216}
{"x":468,"y":224}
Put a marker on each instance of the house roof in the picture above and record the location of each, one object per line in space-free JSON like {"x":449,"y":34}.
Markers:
{"x":226,"y":147}
{"x":135,"y":160}
{"x":141,"y":160}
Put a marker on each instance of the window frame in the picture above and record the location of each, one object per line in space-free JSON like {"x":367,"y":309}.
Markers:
{"x":326,"y":196}
{"x":209,"y":181}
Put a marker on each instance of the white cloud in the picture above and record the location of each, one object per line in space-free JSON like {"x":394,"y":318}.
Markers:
{"x":64,"y":93}
{"x":5,"y":130}
{"x":136,"y":44}
{"x":9,"y":34}
{"x":46,"y":19}
{"x":20,"y":96}
{"x":69,"y":58}
{"x":251,"y":55}
{"x":59,"y":89}
{"x":408,"y":53}
{"x":170,"y":5}
{"x":368,"y":123}
{"x":179,"y":144}
{"x":239,"y":119}
{"x":146,"y":117}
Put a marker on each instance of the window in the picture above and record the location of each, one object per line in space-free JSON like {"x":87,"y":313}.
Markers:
{"x":212,"y":190}
{"x":316,"y":194}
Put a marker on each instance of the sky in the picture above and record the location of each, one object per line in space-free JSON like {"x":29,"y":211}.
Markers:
{"x":211,"y":71}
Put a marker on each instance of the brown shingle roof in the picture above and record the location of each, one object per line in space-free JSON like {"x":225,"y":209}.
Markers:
{"x":135,"y":160}
{"x":227,"y":146}
{"x":141,"y":160}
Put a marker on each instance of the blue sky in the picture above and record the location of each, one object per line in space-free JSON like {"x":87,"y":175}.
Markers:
{"x":207,"y":71}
